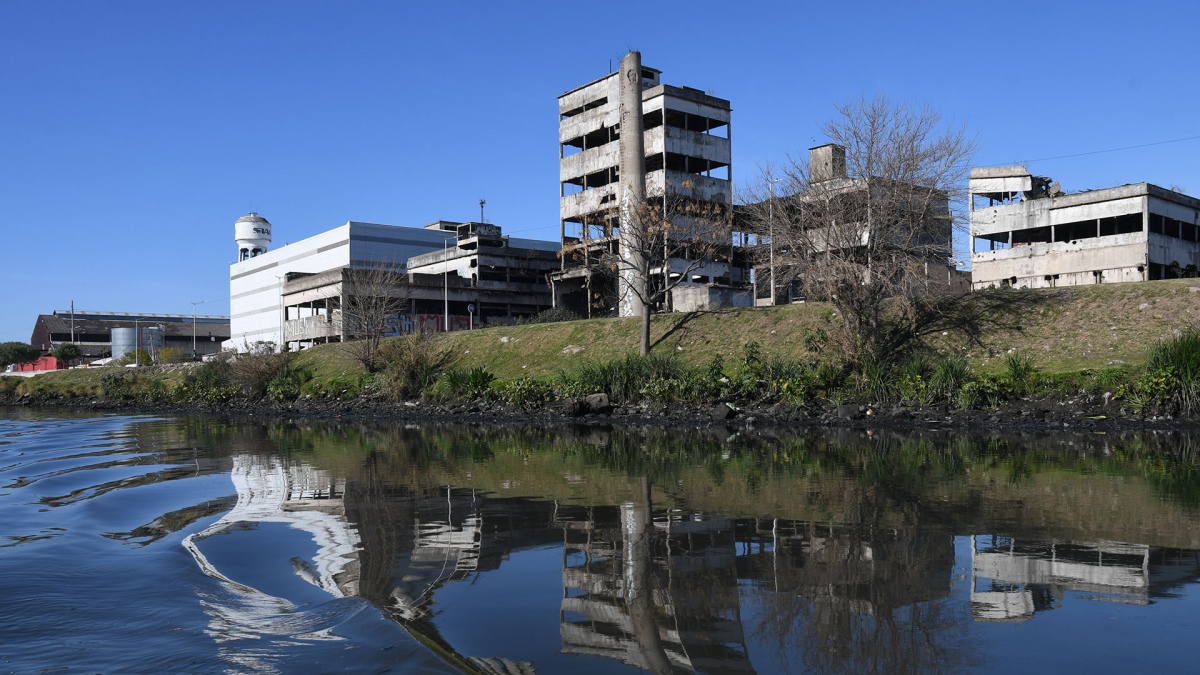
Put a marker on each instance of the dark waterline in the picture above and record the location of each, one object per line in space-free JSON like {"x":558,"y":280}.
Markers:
{"x":194,"y":544}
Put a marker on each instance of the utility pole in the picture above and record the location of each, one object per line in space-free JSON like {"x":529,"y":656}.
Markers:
{"x":481,"y":203}
{"x":194,"y":303}
{"x":446,"y":283}
{"x":771,"y":227}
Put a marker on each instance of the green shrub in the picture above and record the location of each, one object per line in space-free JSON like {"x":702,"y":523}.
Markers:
{"x":467,"y":384}
{"x":552,"y":315}
{"x":987,"y":391}
{"x":787,"y":378}
{"x":660,"y":391}
{"x":527,"y":392}
{"x":830,"y":378}
{"x":409,"y":366}
{"x":479,"y":382}
{"x":950,"y":375}
{"x":1110,"y":378}
{"x":133,"y":356}
{"x":253,"y":371}
{"x":119,"y":384}
{"x":874,"y":380}
{"x":1177,"y":360}
{"x":287,"y":383}
{"x":454,"y":382}
{"x":1021,"y":372}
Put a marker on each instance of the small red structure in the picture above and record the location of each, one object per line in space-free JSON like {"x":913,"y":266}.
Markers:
{"x":43,"y":363}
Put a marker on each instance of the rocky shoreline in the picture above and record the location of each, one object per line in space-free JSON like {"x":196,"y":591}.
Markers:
{"x":1083,"y":413}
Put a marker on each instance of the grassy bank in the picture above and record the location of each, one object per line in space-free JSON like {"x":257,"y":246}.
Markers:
{"x":1136,"y":343}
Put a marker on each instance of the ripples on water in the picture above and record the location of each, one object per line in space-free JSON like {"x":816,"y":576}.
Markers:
{"x":140,"y":544}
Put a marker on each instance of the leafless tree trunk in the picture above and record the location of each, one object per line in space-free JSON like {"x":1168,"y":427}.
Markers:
{"x":676,"y":236}
{"x":870,"y":230}
{"x":374,"y":299}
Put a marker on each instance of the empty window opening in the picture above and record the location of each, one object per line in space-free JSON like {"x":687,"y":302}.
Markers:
{"x":1034,"y":235}
{"x":1075,"y":231}
{"x":994,"y":242}
{"x":697,"y":123}
{"x":585,"y":107}
{"x":696,"y":165}
{"x":1128,"y":223}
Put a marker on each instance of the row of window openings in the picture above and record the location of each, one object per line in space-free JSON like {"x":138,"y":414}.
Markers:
{"x":671,"y":161}
{"x":676,"y":120}
{"x":1067,"y":232}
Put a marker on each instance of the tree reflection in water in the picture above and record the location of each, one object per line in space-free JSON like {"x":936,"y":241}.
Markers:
{"x":684,"y":552}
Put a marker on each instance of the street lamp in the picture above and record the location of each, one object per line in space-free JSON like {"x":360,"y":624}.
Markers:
{"x":771,"y":229}
{"x":446,"y":283}
{"x":194,"y":303}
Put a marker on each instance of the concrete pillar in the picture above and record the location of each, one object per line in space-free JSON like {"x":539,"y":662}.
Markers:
{"x":633,"y":186}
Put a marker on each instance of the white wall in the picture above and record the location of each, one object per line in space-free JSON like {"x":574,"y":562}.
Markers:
{"x":255,"y":284}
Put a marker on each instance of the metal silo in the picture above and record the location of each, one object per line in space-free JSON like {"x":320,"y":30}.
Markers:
{"x":123,"y":340}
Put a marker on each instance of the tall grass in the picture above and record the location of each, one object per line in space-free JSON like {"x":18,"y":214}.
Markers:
{"x":1173,"y":372}
{"x":625,"y":379}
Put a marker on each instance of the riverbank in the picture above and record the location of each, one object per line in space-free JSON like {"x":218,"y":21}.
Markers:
{"x":1082,"y":413}
{"x":1027,"y":360}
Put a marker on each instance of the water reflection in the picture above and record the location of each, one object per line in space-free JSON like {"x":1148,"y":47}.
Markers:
{"x":1011,"y":579}
{"x":304,"y":499}
{"x":592,"y":550}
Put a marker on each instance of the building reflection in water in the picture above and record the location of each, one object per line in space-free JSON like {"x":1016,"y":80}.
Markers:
{"x":1012,"y":579}
{"x":662,"y":590}
{"x":300,"y":497}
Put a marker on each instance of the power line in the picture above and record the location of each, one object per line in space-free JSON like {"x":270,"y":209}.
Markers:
{"x":1099,"y":152}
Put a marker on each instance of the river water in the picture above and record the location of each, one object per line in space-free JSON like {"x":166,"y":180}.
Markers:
{"x":197,"y":544}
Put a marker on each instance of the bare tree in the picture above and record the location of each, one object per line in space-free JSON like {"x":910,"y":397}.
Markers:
{"x":373,"y":300}
{"x":667,"y":240}
{"x":867,"y":223}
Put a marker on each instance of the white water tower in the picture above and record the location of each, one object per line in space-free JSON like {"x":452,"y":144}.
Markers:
{"x":252,"y":233}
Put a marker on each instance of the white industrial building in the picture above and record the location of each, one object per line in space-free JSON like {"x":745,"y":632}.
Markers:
{"x":450,"y":275}
{"x":1030,"y":234}
{"x":256,"y":281}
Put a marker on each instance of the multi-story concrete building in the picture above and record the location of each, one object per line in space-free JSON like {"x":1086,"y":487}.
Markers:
{"x":1031,"y":235}
{"x":850,"y":218}
{"x":684,"y":153}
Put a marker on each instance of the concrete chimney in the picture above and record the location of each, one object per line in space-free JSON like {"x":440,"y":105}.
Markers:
{"x":632,"y":167}
{"x":826,"y":162}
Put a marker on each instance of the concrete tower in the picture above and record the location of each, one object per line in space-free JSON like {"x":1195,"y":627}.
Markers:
{"x":632,"y":168}
{"x":252,"y":233}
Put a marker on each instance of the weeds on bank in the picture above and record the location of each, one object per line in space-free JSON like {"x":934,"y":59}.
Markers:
{"x":413,"y":367}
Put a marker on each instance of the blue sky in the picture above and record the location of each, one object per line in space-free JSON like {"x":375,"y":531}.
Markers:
{"x":133,"y":134}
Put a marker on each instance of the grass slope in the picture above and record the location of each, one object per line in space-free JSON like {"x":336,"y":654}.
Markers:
{"x":1066,"y":330}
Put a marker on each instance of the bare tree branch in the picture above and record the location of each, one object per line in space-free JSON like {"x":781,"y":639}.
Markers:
{"x":867,"y":222}
{"x":374,"y":298}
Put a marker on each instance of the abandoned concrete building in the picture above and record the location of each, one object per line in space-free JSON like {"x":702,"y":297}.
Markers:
{"x":839,"y":213}
{"x":1032,"y":235}
{"x":676,"y":148}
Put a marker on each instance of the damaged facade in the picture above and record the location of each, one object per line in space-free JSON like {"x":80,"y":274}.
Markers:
{"x":677,"y":148}
{"x":1032,"y":235}
{"x":853,"y":218}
